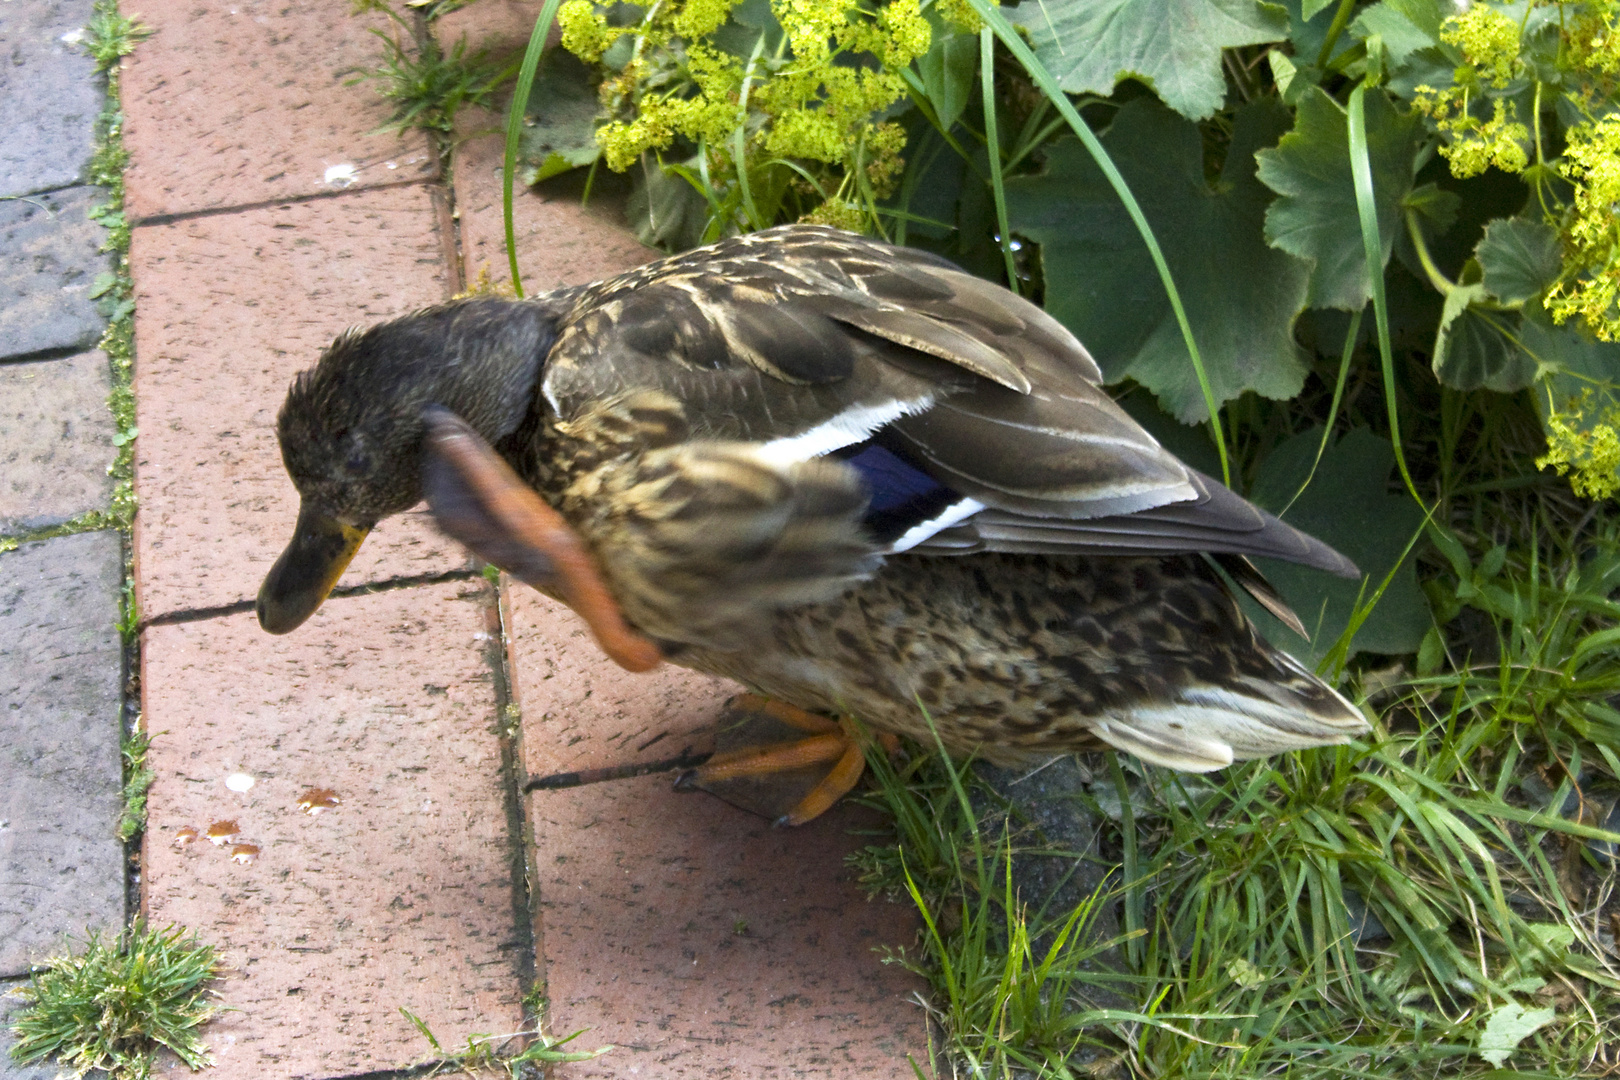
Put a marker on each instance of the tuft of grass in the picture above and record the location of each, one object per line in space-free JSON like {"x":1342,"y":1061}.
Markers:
{"x":1016,"y":987}
{"x":427,"y":86}
{"x":110,"y":36}
{"x":534,"y":1048}
{"x":110,"y":1006}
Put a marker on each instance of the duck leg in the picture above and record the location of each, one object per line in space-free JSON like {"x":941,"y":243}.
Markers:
{"x":832,"y":741}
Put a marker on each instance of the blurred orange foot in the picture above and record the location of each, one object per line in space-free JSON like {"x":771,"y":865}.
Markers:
{"x":830,"y":741}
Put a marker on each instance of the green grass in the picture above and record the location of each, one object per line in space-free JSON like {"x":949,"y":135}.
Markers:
{"x":426,"y":86}
{"x":1413,"y":904}
{"x":519,"y":1053}
{"x":112,"y":1005}
{"x":137,"y":779}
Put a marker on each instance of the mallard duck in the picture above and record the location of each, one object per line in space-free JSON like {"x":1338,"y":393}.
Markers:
{"x":845,"y":474}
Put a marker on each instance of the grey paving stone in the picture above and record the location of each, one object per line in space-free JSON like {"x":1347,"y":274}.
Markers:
{"x":52,"y":96}
{"x":55,"y":440}
{"x":50,"y":254}
{"x":61,"y":865}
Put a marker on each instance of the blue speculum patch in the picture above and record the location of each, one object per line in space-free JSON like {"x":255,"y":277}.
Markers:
{"x":903,"y":496}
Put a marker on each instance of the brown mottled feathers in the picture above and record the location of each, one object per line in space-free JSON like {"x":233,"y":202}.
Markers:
{"x":997,"y":399}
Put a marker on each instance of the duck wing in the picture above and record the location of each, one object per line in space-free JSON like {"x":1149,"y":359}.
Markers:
{"x":975,"y":421}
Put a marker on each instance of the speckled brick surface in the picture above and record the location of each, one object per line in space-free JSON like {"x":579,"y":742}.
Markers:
{"x":228,"y":309}
{"x":401,"y":895}
{"x":703,"y":943}
{"x":239,"y":102}
{"x":582,"y":711}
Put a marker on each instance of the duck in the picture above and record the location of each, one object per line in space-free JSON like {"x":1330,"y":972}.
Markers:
{"x":860,"y":481}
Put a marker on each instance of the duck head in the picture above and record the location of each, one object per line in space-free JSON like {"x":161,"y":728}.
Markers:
{"x":352,"y":428}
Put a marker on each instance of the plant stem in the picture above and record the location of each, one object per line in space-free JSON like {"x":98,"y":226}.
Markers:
{"x":1442,"y":284}
{"x":1341,"y":19}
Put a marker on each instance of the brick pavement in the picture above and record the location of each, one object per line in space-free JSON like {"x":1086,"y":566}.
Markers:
{"x":267,"y":217}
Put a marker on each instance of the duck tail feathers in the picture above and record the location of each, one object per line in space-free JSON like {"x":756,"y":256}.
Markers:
{"x":1207,"y":727}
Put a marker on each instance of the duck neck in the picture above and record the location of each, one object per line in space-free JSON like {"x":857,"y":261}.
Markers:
{"x":492,"y":361}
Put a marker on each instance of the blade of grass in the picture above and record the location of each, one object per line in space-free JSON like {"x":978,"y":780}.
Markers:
{"x":739,"y":139}
{"x":514,"y":130}
{"x":1054,"y":93}
{"x":1367,"y":209}
{"x":992,"y":145}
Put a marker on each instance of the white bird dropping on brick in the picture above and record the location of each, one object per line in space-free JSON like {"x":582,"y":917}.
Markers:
{"x":240,"y":782}
{"x":342,"y":176}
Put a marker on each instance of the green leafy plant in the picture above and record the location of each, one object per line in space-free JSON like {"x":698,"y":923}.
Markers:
{"x":137,"y":779}
{"x":758,"y":110}
{"x":110,"y":36}
{"x":110,"y":1006}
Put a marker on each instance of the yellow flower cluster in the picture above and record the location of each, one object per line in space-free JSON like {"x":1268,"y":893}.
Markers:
{"x":1590,"y":285}
{"x":585,"y":33}
{"x":1591,"y":459}
{"x":1593,"y":41}
{"x":1489,"y":42}
{"x":960,"y":14}
{"x":815,"y":101}
{"x":1473,"y":145}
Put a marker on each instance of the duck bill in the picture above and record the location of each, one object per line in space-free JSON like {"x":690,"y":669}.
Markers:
{"x":301,"y":579}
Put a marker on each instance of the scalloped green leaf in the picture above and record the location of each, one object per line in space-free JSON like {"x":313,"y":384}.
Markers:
{"x":1477,"y":349}
{"x":1241,"y":296}
{"x":1520,"y":258}
{"x":559,"y":132}
{"x":1174,"y":46}
{"x":1508,"y":1026}
{"x":1346,"y":504}
{"x":1404,"y":26}
{"x":1315,"y":214}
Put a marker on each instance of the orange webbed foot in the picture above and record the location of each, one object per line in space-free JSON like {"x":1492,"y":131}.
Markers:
{"x":837,"y":742}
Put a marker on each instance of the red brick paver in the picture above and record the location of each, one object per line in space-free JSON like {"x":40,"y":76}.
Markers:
{"x":401,"y":895}
{"x":559,"y":243}
{"x":229,"y":308}
{"x":704,"y":943}
{"x":582,"y":712}
{"x":238,"y":102}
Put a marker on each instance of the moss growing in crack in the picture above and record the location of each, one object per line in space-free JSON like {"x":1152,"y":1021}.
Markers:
{"x":115,"y":291}
{"x":109,"y":37}
{"x":137,"y":779}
